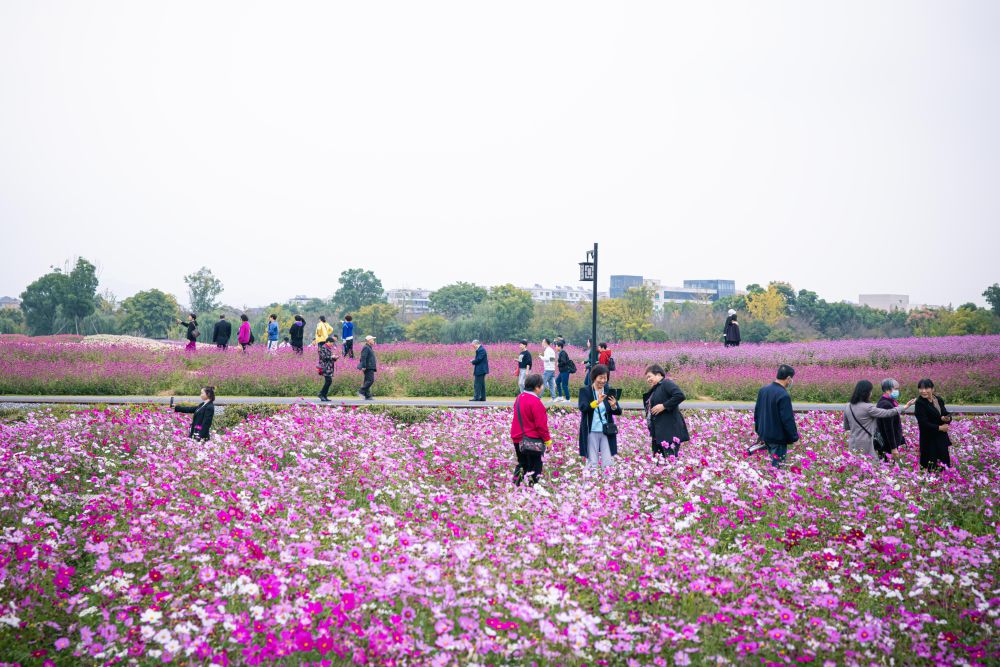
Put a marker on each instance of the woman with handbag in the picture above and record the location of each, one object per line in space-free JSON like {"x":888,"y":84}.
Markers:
{"x":598,"y":432}
{"x":860,"y":419}
{"x":933,"y":421}
{"x":663,"y":416}
{"x":530,"y":430}
{"x":328,"y":356}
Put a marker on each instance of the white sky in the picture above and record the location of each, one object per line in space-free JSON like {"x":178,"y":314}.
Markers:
{"x":843,"y":146}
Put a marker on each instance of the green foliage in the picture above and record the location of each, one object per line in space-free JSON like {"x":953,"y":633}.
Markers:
{"x":656,"y":336}
{"x":754,"y":288}
{"x":358,"y":288}
{"x":755,"y":331}
{"x":457,"y":300}
{"x":150,"y":313}
{"x":79,"y":299}
{"x":505,"y":314}
{"x":559,"y":317}
{"x":961,"y":322}
{"x":379,"y":320}
{"x":402,"y":414}
{"x":203,"y":289}
{"x":11,"y":321}
{"x":40,"y":302}
{"x":427,"y":329}
{"x":992,"y":295}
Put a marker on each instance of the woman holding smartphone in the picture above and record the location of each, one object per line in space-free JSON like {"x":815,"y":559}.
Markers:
{"x":598,"y":432}
{"x":663,"y":416}
{"x":933,"y":422}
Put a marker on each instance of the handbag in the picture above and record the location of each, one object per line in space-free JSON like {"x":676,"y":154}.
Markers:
{"x":527,"y":444}
{"x":606,"y":427}
{"x":877,"y":439}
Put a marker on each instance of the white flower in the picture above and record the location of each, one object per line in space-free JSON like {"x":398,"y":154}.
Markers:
{"x":150,"y":616}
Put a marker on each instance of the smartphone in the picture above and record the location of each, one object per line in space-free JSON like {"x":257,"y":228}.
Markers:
{"x":617,"y":393}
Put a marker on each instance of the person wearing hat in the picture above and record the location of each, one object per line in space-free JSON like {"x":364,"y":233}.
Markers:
{"x":731,"y":333}
{"x":327,"y":364}
{"x":367,"y":365}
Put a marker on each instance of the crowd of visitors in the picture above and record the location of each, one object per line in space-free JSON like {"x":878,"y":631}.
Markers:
{"x":873,"y":429}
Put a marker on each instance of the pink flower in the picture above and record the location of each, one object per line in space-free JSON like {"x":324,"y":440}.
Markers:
{"x":61,"y":643}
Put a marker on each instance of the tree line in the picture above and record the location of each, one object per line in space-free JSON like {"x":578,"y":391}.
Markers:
{"x":65,"y":300}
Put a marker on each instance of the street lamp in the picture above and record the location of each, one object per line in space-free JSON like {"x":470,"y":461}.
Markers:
{"x":588,"y":273}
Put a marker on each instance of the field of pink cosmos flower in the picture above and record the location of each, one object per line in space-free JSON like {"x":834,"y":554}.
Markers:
{"x":337,"y":537}
{"x":965,"y":369}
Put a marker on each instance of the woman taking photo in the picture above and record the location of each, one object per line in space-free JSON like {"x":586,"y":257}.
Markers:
{"x":598,"y":432}
{"x":203,"y":413}
{"x":891,"y":428}
{"x":244,"y":337}
{"x":860,"y":418}
{"x":664,"y":419}
{"x":933,"y":421}
{"x":192,"y":332}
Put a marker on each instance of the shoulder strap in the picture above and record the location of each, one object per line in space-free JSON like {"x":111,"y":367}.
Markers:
{"x":849,"y":407}
{"x":517,"y":409}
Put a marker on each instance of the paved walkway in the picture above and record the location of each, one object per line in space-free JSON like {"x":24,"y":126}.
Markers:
{"x":426,"y":402}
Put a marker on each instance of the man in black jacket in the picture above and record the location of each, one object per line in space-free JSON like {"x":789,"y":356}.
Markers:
{"x":773,"y":419}
{"x":367,"y":365}
{"x":222,"y":332}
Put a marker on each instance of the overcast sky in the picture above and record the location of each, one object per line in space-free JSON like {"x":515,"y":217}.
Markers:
{"x":845,"y":147}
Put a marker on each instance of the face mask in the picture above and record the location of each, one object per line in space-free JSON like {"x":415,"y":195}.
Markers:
{"x":894,"y":393}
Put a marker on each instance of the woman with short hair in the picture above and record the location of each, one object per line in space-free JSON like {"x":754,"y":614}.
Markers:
{"x":663,"y":416}
{"x":245,"y":337}
{"x":860,"y":419}
{"x":529,"y":430}
{"x":598,"y":432}
{"x":891,"y":428}
{"x":934,"y":422}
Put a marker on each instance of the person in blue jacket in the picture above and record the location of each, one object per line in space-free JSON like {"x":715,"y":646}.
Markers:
{"x":480,"y":369}
{"x":773,"y":419}
{"x":272,"y":333}
{"x":347,"y":335}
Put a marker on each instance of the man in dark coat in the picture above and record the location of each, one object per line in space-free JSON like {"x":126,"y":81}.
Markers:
{"x":664,"y":419}
{"x":367,"y":365}
{"x":480,"y":369}
{"x":773,"y":419}
{"x":222,"y":332}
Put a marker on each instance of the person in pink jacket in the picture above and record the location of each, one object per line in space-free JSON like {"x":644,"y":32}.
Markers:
{"x":531,"y":423}
{"x":244,"y":336}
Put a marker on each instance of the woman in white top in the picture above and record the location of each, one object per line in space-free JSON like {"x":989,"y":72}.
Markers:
{"x":860,"y":418}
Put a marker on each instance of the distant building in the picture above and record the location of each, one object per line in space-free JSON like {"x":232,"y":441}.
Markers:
{"x":9,"y":302}
{"x":411,"y":302}
{"x":300,"y":300}
{"x":667,"y":294}
{"x":622,"y":284}
{"x":569,"y":294}
{"x":886,"y":302}
{"x":722,"y":288}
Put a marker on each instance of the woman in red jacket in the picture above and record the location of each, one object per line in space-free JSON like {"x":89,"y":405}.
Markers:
{"x":530,"y":430}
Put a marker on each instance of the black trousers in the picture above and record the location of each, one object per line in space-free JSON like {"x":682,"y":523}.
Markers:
{"x":530,"y":462}
{"x":349,"y":348}
{"x":297,"y":349}
{"x":479,"y":388}
{"x":366,"y":388}
{"x":327,"y":381}
{"x":222,"y":346}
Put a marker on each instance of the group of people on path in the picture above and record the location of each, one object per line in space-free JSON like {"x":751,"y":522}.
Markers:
{"x":222,"y":333}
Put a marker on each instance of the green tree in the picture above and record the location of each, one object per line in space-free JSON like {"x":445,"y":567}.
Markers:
{"x":203,"y":290}
{"x":11,"y":321}
{"x":457,"y":299}
{"x":505,"y":314}
{"x":427,"y":329}
{"x":557,"y":317}
{"x":786,"y":291}
{"x":637,"y":309}
{"x":379,"y":320}
{"x":358,"y":288}
{"x":992,"y":295}
{"x":79,"y":298}
{"x":753,"y":288}
{"x":41,"y":301}
{"x":151,"y":313}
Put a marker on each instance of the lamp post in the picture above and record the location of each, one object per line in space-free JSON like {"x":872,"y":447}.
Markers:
{"x":588,"y":273}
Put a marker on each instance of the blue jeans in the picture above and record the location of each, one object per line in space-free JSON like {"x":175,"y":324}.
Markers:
{"x":562,"y":385}
{"x":777,"y":453}
{"x":548,"y":380}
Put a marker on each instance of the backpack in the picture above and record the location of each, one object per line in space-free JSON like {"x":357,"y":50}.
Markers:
{"x":611,"y":363}
{"x":572,"y":366}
